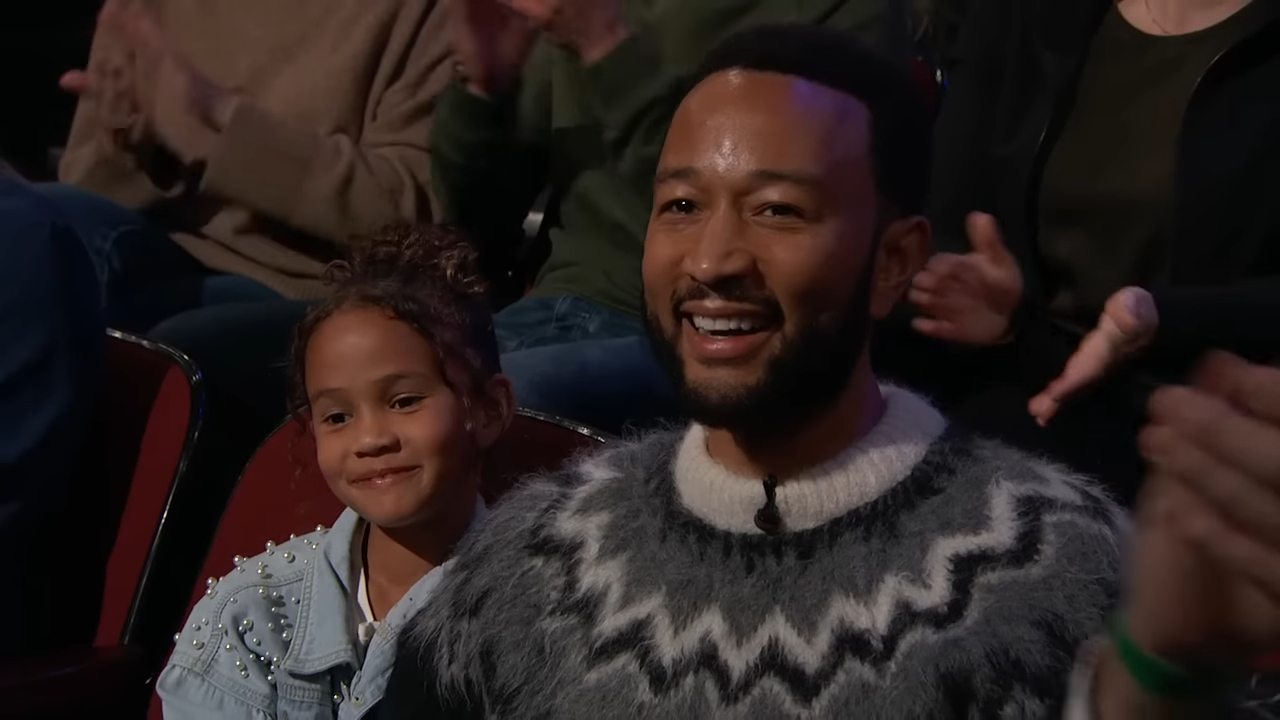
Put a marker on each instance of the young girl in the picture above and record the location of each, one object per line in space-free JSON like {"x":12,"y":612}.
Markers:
{"x":397,"y":376}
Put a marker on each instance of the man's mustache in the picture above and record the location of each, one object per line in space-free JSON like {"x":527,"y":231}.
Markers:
{"x":732,"y":293}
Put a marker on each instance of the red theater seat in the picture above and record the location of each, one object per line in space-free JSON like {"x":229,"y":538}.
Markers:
{"x":148,"y":419}
{"x":281,"y":491}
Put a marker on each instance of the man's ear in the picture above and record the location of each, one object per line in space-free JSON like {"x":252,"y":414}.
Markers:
{"x":904,"y":248}
{"x":495,"y":410}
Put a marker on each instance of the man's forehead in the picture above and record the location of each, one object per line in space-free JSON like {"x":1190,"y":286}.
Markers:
{"x":771,"y":118}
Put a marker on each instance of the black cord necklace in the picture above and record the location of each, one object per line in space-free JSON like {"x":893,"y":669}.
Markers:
{"x":768,"y":519}
{"x":364,"y":574}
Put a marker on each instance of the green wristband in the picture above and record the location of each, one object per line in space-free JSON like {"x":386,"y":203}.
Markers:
{"x":1155,"y":675}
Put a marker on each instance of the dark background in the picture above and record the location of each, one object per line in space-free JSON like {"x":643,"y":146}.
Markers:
{"x":38,"y":42}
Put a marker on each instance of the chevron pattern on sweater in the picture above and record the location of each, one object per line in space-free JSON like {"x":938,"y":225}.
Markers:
{"x":862,"y":634}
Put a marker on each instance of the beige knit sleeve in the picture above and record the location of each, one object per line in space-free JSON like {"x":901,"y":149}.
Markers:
{"x":331,"y":185}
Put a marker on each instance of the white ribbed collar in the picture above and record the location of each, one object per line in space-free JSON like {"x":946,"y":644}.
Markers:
{"x":858,"y":475}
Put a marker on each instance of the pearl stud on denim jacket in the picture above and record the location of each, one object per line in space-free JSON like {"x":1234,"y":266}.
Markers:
{"x":279,"y":636}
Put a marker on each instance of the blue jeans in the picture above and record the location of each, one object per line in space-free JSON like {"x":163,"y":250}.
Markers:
{"x":572,"y":358}
{"x":144,"y":275}
{"x":565,"y":356}
{"x":533,"y":322}
{"x":242,"y":349}
{"x":52,"y":342}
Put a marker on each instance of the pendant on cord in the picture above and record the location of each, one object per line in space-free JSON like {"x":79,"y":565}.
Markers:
{"x":768,"y":519}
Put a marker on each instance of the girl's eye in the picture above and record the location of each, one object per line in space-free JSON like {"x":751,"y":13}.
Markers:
{"x":679,"y":206}
{"x":335,"y":418}
{"x":404,"y":402}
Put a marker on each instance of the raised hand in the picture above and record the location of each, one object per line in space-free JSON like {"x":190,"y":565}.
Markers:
{"x":147,"y":81}
{"x":110,"y":82}
{"x":969,"y":298}
{"x":492,"y":42}
{"x":590,"y":28}
{"x":184,"y":106}
{"x":1204,"y":581}
{"x":1220,"y":441}
{"x":1127,"y":325}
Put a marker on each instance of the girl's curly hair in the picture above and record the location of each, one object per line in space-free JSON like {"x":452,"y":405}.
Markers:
{"x":425,"y":276}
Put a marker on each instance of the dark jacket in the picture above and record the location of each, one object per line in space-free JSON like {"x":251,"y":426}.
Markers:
{"x":1012,"y":72}
{"x":1011,"y":69}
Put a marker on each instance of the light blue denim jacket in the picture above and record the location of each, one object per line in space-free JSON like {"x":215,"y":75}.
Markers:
{"x":276,"y":638}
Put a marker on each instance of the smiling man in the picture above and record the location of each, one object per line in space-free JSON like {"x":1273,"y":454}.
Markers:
{"x":815,"y":544}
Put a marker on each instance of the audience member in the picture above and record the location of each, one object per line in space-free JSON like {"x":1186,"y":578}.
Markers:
{"x":397,"y":377}
{"x":222,"y":152}
{"x":51,"y":369}
{"x":815,"y":544}
{"x":1205,"y":572}
{"x":576,"y":95}
{"x":1144,"y":131}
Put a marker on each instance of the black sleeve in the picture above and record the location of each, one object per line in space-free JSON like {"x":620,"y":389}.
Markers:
{"x":947,"y":371}
{"x":413,"y":691}
{"x":1193,"y":320}
{"x":1239,"y":317}
{"x":972,"y":60}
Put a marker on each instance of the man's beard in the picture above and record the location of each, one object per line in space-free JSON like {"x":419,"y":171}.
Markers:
{"x":802,"y":380}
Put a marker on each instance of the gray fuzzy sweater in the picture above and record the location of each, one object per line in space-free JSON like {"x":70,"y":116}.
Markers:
{"x":921,"y":574}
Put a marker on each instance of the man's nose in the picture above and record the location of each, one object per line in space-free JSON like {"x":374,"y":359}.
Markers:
{"x":719,"y":250}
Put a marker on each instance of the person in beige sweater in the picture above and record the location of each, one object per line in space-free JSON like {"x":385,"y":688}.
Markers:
{"x":223,"y":151}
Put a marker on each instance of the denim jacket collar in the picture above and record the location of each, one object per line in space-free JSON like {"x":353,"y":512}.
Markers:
{"x":323,"y":638}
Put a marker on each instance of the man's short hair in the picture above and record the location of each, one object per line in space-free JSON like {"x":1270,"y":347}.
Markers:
{"x":901,"y":124}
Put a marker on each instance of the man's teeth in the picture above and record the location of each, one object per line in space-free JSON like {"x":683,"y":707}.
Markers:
{"x":725,"y":324}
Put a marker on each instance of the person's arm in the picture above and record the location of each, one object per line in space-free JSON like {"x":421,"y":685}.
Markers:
{"x":330,"y":185}
{"x":188,"y":695}
{"x":1239,"y":317}
{"x":203,"y":680}
{"x":1117,"y":696}
{"x":489,"y":158}
{"x":1101,"y":689}
{"x":633,"y":92}
{"x":1158,"y":334}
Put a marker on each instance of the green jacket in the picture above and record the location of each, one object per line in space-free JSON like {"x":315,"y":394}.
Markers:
{"x":593,"y":134}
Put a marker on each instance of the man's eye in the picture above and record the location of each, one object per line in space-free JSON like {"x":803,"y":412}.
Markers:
{"x":781,"y":211}
{"x":679,"y":207}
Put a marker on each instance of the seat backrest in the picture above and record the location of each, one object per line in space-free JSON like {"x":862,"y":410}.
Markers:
{"x":534,"y":443}
{"x":281,"y":491}
{"x":148,"y":419}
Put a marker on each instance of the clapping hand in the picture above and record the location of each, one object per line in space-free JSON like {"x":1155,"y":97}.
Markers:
{"x":1127,"y":325}
{"x":1203,"y":588}
{"x":1206,"y":572}
{"x":492,"y":38}
{"x":110,"y":82}
{"x":590,"y":28}
{"x":492,"y":42}
{"x":969,"y":298}
{"x":150,"y":80}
